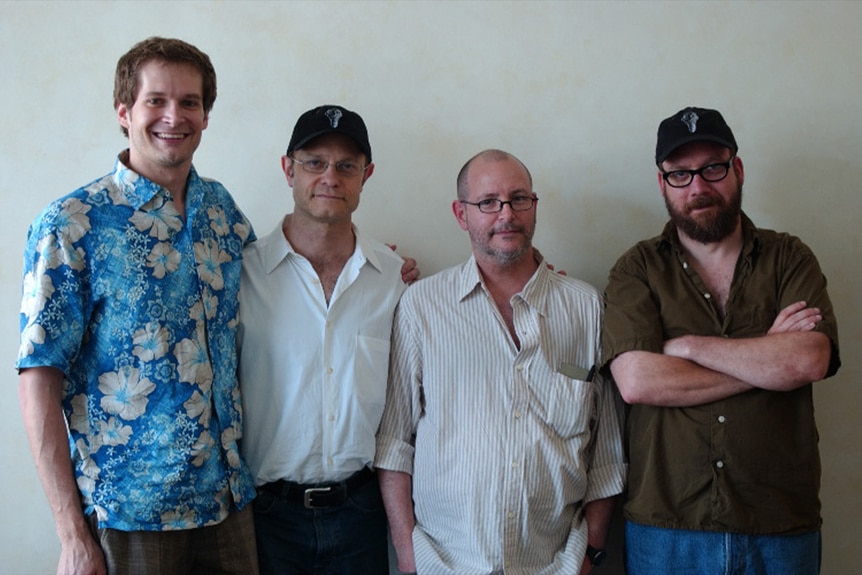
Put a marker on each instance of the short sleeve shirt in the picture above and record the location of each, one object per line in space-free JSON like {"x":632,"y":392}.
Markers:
{"x":138,"y":308}
{"x":748,"y":463}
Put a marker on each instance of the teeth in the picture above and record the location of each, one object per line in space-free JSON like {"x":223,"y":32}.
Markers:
{"x":170,"y":136}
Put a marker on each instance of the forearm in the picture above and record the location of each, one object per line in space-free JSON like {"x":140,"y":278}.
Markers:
{"x":40,"y":392}
{"x":396,"y":487}
{"x":662,"y":380}
{"x":778,"y":362}
{"x":598,"y":517}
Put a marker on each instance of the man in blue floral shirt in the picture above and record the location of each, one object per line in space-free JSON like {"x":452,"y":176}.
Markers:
{"x":127,"y":360}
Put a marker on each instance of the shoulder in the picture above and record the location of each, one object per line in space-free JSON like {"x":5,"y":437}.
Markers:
{"x":573,"y":287}
{"x":445,"y":284}
{"x":74,"y":209}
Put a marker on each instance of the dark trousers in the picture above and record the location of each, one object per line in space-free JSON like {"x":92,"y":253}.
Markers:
{"x":346,"y":539}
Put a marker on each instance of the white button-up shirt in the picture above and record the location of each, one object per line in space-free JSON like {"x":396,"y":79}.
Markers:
{"x":313,"y":377}
{"x":509,"y":443}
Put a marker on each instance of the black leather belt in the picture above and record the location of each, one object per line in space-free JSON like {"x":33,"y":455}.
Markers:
{"x":320,"y":496}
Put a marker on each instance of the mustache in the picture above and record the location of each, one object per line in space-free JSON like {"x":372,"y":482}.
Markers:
{"x":701,"y":202}
{"x":507,"y":228}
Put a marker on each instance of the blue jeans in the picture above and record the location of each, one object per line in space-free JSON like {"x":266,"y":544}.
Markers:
{"x":344,"y":540}
{"x":657,"y":551}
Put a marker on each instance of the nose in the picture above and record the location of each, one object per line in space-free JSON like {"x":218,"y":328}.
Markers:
{"x":506,"y":212}
{"x":330,"y":175}
{"x":171,"y":112}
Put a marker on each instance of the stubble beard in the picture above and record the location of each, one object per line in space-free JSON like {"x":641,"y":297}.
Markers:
{"x":503,"y":257}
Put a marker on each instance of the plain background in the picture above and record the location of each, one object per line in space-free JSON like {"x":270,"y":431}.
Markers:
{"x":575,"y":89}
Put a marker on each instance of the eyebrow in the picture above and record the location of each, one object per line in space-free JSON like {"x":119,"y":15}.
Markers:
{"x":673,"y":166}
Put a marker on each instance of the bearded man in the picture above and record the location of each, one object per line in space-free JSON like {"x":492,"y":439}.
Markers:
{"x":714,"y":332}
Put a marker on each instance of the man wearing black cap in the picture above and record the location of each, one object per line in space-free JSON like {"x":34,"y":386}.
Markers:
{"x":317,"y":302}
{"x":714,"y":332}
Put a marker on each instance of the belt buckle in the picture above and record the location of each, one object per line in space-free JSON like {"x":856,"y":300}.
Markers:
{"x":310,"y":492}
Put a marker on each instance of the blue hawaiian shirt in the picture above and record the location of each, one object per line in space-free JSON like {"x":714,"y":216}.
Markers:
{"x":139,"y":309}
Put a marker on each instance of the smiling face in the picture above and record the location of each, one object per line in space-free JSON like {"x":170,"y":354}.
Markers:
{"x":330,"y":197}
{"x":706,"y":212}
{"x":166,"y":121}
{"x":505,"y":237}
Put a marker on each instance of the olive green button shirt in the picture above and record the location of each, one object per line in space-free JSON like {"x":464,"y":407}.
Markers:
{"x":749,"y":463}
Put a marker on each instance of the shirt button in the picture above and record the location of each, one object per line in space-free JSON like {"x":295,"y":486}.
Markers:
{"x":707,"y":296}
{"x":510,"y":515}
{"x":514,"y":465}
{"x":721,"y":419}
{"x":328,"y":371}
{"x":719,"y":464}
{"x":520,"y":367}
{"x":517,"y":415}
{"x":331,"y":418}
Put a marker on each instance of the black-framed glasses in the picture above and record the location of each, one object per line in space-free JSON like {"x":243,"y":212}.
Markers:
{"x":318,"y":166}
{"x":710,"y":173}
{"x":493,"y":205}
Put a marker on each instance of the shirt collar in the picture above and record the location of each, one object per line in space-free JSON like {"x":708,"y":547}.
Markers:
{"x":139,"y":190}
{"x":277,"y":248}
{"x":534,"y":293}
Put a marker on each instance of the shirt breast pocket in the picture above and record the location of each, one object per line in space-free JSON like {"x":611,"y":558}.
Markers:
{"x":563,"y":404}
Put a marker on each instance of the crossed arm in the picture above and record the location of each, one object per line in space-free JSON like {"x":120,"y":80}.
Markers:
{"x":694,"y":370}
{"x":40,"y":390}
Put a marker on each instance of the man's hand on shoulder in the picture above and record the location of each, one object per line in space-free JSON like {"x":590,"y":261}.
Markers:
{"x":409,"y":271}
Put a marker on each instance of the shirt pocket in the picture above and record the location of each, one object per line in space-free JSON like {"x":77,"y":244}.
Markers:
{"x":563,"y":404}
{"x":371,"y":368}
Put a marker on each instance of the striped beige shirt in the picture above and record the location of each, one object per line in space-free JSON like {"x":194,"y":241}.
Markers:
{"x":505,"y":445}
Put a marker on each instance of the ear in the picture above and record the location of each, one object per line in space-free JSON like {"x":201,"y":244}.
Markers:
{"x":206,"y":121}
{"x":287,"y":168}
{"x":740,"y":170}
{"x":460,"y":214}
{"x":368,"y":171}
{"x":124,"y":115}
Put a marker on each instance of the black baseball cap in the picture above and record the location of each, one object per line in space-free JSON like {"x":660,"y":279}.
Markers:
{"x":325,"y":120}
{"x":691,"y":125}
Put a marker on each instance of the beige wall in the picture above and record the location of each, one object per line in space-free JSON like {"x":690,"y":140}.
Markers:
{"x":576,"y":89}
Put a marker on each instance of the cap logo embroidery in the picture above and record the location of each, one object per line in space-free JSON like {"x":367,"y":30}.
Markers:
{"x":334,"y":115}
{"x":690,"y":120}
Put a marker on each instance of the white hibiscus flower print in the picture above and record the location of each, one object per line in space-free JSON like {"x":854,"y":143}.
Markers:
{"x":151,"y":342}
{"x":125,"y":392}
{"x":210,"y":303}
{"x":72,"y":220}
{"x":111,"y":432}
{"x":196,"y":406}
{"x":49,"y":252}
{"x":210,"y":259}
{"x":31,"y":335}
{"x":218,"y":221}
{"x":159,"y":220}
{"x":79,"y":421}
{"x":89,"y":470}
{"x":193,"y":363}
{"x":178,"y":520}
{"x":242,"y":229}
{"x":164,"y":259}
{"x":37,"y":290}
{"x":202,"y":448}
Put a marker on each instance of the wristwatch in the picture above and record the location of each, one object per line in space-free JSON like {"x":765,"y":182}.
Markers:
{"x":596,"y":556}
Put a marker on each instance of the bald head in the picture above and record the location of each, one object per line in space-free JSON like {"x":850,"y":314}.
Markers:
{"x":487,"y":156}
